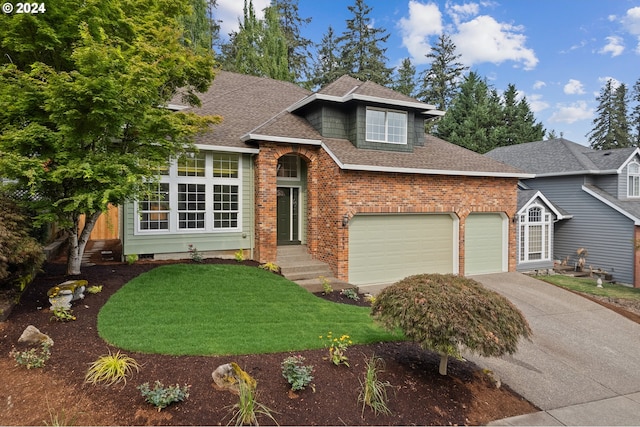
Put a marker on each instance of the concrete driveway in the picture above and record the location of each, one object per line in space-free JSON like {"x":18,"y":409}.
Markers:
{"x":582,"y":366}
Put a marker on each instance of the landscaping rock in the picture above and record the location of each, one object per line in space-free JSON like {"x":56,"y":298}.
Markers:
{"x":227,"y":377}
{"x":32,"y":335}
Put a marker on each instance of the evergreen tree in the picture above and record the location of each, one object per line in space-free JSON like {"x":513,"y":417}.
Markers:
{"x":361,"y":54}
{"x":611,"y":128}
{"x":517,"y":124}
{"x":472,"y":117}
{"x":327,"y":64}
{"x":439,"y":83}
{"x":404,"y":80}
{"x":635,"y":116}
{"x":246,"y":58}
{"x":297,"y":46}
{"x":273,"y":48}
{"x":201,"y":30}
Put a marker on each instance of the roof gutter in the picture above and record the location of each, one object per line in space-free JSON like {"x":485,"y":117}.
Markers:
{"x":271,"y":138}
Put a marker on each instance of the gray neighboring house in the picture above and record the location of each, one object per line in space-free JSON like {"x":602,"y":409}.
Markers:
{"x":587,"y":198}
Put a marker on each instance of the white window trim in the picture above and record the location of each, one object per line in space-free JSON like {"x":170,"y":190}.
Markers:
{"x":636,"y":177}
{"x":386,"y":126}
{"x":209,"y":180}
{"x":546,"y":224}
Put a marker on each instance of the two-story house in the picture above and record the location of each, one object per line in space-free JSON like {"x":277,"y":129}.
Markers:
{"x":346,"y":172}
{"x":596,"y":195}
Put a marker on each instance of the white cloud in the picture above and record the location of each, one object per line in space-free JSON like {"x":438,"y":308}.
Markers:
{"x":631,"y":23}
{"x":572,"y":113}
{"x":462,"y":11}
{"x":230,"y":11}
{"x":574,"y":87}
{"x":614,"y":46}
{"x":539,"y":84}
{"x":483,"y":39}
{"x":536,"y":103}
{"x":614,"y":82}
{"x":424,"y":20}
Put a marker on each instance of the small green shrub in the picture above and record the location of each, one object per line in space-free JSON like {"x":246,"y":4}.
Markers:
{"x":62,"y":314}
{"x":373,"y":392}
{"x":270,"y":266}
{"x":194,"y":254}
{"x":326,"y":285}
{"x":350,"y":293}
{"x":94,"y":289}
{"x":296,"y":372}
{"x":111,"y":369}
{"x":239,"y":255}
{"x":337,"y":348}
{"x":132,"y":258}
{"x":34,"y":357}
{"x":161,"y":396}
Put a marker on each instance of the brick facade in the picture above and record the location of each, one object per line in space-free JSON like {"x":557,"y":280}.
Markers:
{"x":333,"y":193}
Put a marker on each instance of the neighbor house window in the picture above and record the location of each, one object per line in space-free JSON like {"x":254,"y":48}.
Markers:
{"x":535,"y":238}
{"x":633,"y":173}
{"x":386,"y":126}
{"x":199,"y":192}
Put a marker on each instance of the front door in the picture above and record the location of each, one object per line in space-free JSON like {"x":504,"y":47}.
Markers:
{"x":288,"y":216}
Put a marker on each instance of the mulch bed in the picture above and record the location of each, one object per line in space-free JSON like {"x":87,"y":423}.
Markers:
{"x":56,"y":394}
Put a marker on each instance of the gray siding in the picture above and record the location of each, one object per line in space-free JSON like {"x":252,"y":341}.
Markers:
{"x":606,"y":234}
{"x":203,"y":241}
{"x":610,"y":184}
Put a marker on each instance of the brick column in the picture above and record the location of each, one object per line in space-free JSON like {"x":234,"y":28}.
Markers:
{"x":266,"y":225}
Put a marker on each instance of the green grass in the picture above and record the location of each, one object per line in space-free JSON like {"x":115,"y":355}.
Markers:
{"x":588,"y":286}
{"x":187,"y":309}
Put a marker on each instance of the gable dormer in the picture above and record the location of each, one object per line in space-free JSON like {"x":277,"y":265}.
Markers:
{"x":370,"y":116}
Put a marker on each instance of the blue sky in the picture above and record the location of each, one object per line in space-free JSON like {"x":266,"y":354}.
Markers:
{"x":558,"y":53}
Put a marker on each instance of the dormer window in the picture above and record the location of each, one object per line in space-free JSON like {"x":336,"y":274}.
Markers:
{"x":633,"y":174}
{"x":386,"y":126}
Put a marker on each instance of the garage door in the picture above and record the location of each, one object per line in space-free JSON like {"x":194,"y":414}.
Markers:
{"x":387,"y":248}
{"x":485,"y":244}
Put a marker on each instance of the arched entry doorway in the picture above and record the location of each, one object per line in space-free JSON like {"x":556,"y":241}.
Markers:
{"x":291,"y":201}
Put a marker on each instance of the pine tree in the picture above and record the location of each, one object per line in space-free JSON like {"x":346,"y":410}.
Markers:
{"x":361,"y":54}
{"x":291,"y":23}
{"x":517,"y":124}
{"x":327,"y":64}
{"x":634,"y":123}
{"x":439,"y":83}
{"x":404,"y":80}
{"x":472,"y":117}
{"x":611,"y":129}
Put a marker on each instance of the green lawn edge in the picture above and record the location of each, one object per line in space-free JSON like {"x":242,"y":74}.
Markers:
{"x":226,"y":309}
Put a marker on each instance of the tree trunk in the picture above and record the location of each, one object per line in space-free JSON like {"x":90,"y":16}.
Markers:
{"x":78,"y":242}
{"x":444,"y":359}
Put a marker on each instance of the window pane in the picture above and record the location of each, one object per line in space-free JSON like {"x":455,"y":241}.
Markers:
{"x":225,"y":165}
{"x":191,"y":206}
{"x":226,"y":204}
{"x":154,"y":212}
{"x":397,"y":127}
{"x":535,"y":242}
{"x":191,"y":164}
{"x":376,"y":125}
{"x":288,"y":166}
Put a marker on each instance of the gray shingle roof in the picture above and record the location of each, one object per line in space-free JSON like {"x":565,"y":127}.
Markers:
{"x":257,"y":106}
{"x":560,"y":156}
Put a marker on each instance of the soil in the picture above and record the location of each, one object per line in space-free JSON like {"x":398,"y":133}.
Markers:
{"x":57,"y":394}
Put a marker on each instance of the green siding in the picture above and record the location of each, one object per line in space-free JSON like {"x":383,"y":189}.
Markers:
{"x":203,"y":241}
{"x":484,"y":244}
{"x":387,"y":248}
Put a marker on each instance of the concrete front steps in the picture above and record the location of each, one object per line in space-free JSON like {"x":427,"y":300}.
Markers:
{"x":297,"y":265}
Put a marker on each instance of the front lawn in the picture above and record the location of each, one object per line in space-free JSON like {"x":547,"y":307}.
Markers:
{"x":213,"y":309}
{"x":588,"y":286}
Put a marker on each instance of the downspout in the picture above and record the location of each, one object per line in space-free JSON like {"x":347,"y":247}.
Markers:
{"x":253,"y":208}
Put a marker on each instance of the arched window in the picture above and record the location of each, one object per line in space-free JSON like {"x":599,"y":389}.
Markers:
{"x":633,"y":173}
{"x":535,"y":234}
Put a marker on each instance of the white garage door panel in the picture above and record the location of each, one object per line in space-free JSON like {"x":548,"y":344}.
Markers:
{"x":387,"y":248}
{"x":484,"y":244}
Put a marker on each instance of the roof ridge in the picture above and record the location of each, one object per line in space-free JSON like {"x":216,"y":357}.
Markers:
{"x":579,"y":153}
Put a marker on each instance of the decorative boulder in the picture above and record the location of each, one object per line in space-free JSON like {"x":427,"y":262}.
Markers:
{"x":32,"y":335}
{"x":61,"y":296}
{"x":228,"y":377}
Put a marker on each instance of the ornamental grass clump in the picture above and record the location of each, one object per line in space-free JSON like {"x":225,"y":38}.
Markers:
{"x":373,"y":391}
{"x":246,"y":411}
{"x":111,"y":369}
{"x":444,"y":313}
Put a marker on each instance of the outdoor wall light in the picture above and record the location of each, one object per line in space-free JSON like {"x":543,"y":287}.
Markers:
{"x":345,"y":220}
